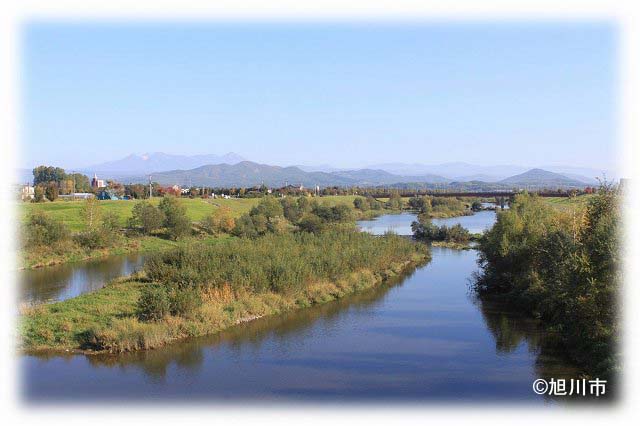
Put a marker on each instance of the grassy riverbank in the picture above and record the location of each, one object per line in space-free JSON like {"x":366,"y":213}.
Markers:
{"x":251,"y":278}
{"x":141,"y":244}
{"x":69,"y":214}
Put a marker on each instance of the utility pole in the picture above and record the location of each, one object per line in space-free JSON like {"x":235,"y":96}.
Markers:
{"x":73,"y":173}
{"x":150,"y":187}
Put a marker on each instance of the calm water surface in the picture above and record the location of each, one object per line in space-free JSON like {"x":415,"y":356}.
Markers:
{"x":60,"y":282}
{"x":423,"y":338}
{"x":401,"y":223}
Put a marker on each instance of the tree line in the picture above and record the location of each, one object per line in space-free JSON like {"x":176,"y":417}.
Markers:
{"x":563,"y":268}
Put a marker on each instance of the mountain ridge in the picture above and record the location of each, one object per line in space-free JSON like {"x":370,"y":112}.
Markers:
{"x":248,"y":174}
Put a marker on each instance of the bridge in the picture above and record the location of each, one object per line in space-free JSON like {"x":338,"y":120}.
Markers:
{"x":479,"y":194}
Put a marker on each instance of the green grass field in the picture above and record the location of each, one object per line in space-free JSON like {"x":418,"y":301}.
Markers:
{"x":69,"y":211}
{"x":197,"y":208}
{"x":568,"y":203}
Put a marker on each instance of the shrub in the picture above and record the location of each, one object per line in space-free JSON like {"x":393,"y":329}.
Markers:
{"x":51,"y":191}
{"x":421,"y":204}
{"x":153,"y":304}
{"x":360,"y":204}
{"x":447,"y":206}
{"x":104,"y":235}
{"x":244,"y":227}
{"x":374,"y":204}
{"x":267,"y":216}
{"x":175,"y":217}
{"x":277,"y":262}
{"x":184,"y":301}
{"x":43,"y":230}
{"x":424,"y":229}
{"x":395,"y":202}
{"x":311,"y":223}
{"x":146,"y":216}
{"x":292,"y":209}
{"x":564,"y":270}
{"x":220,"y":221}
{"x":339,"y":213}
{"x":38,"y":194}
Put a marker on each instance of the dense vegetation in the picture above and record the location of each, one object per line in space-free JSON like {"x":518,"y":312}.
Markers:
{"x":439,"y":207}
{"x":279,"y":263}
{"x":563,"y":267}
{"x":424,"y":229}
{"x":278,"y":216}
{"x":200,"y":289}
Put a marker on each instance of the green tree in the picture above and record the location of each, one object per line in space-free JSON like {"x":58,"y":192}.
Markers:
{"x":46,"y":174}
{"x":81,"y":182}
{"x":146,"y":216}
{"x":175,"y":217}
{"x":90,"y":213}
{"x":562,"y":267}
{"x":51,"y":191}
{"x":153,"y":304}
{"x":395,"y":201}
{"x":360,"y":204}
{"x":38,"y":194}
{"x":311,"y":223}
{"x":220,"y":221}
{"x":421,"y":204}
{"x":269,"y":207}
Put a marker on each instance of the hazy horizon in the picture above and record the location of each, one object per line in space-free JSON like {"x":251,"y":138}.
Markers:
{"x":70,"y":167}
{"x":345,"y":95}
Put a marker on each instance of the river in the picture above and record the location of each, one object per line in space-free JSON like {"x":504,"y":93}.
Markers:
{"x":423,"y":338}
{"x":401,"y":223}
{"x":60,"y":282}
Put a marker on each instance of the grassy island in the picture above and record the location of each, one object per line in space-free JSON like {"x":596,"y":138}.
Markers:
{"x":201,"y":289}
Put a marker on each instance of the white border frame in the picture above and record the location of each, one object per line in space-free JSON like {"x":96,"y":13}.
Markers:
{"x":622,"y":13}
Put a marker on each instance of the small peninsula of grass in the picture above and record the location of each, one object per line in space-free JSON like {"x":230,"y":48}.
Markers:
{"x":201,"y":289}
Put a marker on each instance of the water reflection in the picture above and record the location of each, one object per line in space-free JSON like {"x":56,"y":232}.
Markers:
{"x":60,"y":282}
{"x":401,"y":223}
{"x":248,"y":336}
{"x":422,"y":339}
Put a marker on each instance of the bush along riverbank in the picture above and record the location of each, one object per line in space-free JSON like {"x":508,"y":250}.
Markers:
{"x":456,"y":236}
{"x":100,"y":229}
{"x":201,"y":289}
{"x":563,"y":267}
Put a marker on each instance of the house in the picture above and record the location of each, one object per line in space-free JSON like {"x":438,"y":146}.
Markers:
{"x":105,"y":194}
{"x":27,"y":192}
{"x":77,"y":196}
{"x":97,"y":183}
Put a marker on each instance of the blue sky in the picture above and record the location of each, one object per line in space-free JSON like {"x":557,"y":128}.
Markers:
{"x":319,"y":93}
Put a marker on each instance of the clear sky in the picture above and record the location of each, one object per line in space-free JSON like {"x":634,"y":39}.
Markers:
{"x":318,"y":93}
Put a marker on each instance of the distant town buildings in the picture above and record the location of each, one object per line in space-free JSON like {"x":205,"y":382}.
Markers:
{"x":27,"y":192}
{"x":77,"y":196}
{"x":97,"y":183}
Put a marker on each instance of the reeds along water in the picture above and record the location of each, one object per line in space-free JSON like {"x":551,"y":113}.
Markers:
{"x":279,"y":263}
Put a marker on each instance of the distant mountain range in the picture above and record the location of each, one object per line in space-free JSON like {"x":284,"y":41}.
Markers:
{"x":233,"y":170}
{"x":134,"y":165}
{"x":539,"y":177}
{"x":247,"y":174}
{"x":159,"y":161}
{"x":464,"y":172}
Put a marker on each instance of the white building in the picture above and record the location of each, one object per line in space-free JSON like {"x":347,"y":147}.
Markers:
{"x":97,"y":183}
{"x":27,"y":192}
